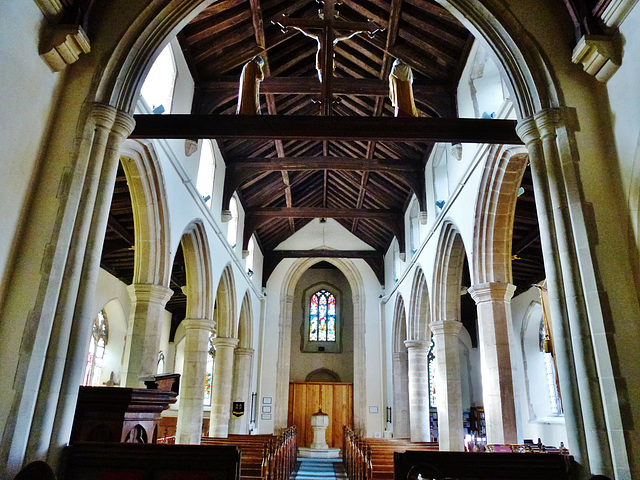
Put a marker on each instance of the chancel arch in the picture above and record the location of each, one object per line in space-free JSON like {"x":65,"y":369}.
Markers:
{"x":287,"y":296}
{"x":400,"y":369}
{"x":242,"y":369}
{"x":198,"y":325}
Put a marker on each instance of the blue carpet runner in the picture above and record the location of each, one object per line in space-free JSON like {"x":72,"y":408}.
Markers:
{"x":319,"y":469}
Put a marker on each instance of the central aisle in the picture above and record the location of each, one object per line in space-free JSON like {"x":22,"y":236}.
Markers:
{"x":319,"y":468}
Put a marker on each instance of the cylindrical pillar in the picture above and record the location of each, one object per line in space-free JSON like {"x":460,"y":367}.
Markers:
{"x":221,"y":386}
{"x":141,"y":351}
{"x":242,"y":363}
{"x":196,"y":349}
{"x":401,"y":420}
{"x":448,"y":385}
{"x":495,"y":329}
{"x":418,"y":361}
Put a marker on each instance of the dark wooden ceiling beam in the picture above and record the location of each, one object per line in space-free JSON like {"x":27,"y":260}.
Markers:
{"x":317,"y":212}
{"x":311,"y":86}
{"x":456,"y":130}
{"x":323,"y":163}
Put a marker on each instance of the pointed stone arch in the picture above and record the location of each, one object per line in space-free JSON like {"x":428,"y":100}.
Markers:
{"x":245,"y":323}
{"x":399,"y":325}
{"x":198,"y":326}
{"x":450,"y":255}
{"x":150,"y":212}
{"x":400,"y":370}
{"x":225,"y":305}
{"x":495,"y":210}
{"x":350,"y":271}
{"x":420,"y":313}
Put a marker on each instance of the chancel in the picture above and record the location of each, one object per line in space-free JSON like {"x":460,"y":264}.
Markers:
{"x":435,"y":273}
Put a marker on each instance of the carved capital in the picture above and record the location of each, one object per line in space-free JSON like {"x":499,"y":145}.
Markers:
{"x":417,"y":344}
{"x":447,"y":327}
{"x":247,"y":352}
{"x":148,"y":292}
{"x":190,"y":147}
{"x":123,"y":124}
{"x":528,"y":131}
{"x":616,"y":11}
{"x":63,"y":45}
{"x":198,"y":324}
{"x":600,"y":56}
{"x":222,"y":342}
{"x":492,"y":292}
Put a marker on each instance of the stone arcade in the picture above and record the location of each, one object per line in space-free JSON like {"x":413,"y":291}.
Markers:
{"x":471,"y":271}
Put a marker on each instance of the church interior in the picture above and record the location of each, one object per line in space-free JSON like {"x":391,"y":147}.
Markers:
{"x":419,"y":219}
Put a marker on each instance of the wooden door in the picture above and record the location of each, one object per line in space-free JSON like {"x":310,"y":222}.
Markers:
{"x":335,"y":399}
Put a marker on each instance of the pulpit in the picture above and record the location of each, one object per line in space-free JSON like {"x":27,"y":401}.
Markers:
{"x":125,"y":415}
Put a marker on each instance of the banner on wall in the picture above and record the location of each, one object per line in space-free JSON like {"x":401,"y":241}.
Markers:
{"x":238,"y":409}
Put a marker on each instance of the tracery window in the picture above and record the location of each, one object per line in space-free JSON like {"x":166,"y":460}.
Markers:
{"x":322,"y":317}
{"x":99,"y":338}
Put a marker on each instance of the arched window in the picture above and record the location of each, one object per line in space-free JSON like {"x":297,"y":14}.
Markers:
{"x":160,"y":368}
{"x":414,"y":228}
{"x":322,"y":317}
{"x":552,"y":378}
{"x":99,"y":338}
{"x":157,"y":89}
{"x":206,"y":172}
{"x":431,"y":358}
{"x":209,"y":376}
{"x":396,"y":259}
{"x":249,"y":259}
{"x":232,"y":228}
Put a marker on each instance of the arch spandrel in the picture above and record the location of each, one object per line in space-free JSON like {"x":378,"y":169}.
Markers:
{"x":399,"y":325}
{"x":197,"y":259}
{"x":226,"y":307}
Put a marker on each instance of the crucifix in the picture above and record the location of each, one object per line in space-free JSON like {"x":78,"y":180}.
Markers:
{"x":327,"y":31}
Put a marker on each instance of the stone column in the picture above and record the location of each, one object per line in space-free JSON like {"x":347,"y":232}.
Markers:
{"x":449,"y":385}
{"x":495,"y":332}
{"x":83,"y":313}
{"x":196,"y":350}
{"x":401,"y":424}
{"x":221,"y":386}
{"x":242,"y":363}
{"x":141,"y":351}
{"x":418,"y":351}
{"x":103,"y":117}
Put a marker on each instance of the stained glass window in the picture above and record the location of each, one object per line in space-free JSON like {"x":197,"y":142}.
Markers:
{"x":432,"y":374}
{"x":552,"y":380}
{"x":99,"y":338}
{"x":209,"y":376}
{"x":322,"y":317}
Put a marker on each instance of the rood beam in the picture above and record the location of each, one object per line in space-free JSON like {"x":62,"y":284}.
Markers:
{"x":260,"y":127}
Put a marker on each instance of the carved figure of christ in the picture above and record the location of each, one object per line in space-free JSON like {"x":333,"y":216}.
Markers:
{"x":327,"y":36}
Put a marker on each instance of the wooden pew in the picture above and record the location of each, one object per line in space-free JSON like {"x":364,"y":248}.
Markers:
{"x":382,"y":452}
{"x":480,"y":466}
{"x":252,"y":452}
{"x":125,"y":461}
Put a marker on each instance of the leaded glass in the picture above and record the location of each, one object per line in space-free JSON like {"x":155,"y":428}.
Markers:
{"x":432,"y":374}
{"x":322,"y":317}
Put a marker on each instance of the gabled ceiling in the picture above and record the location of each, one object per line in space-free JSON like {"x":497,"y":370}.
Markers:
{"x":225,"y":36}
{"x":365,"y":185}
